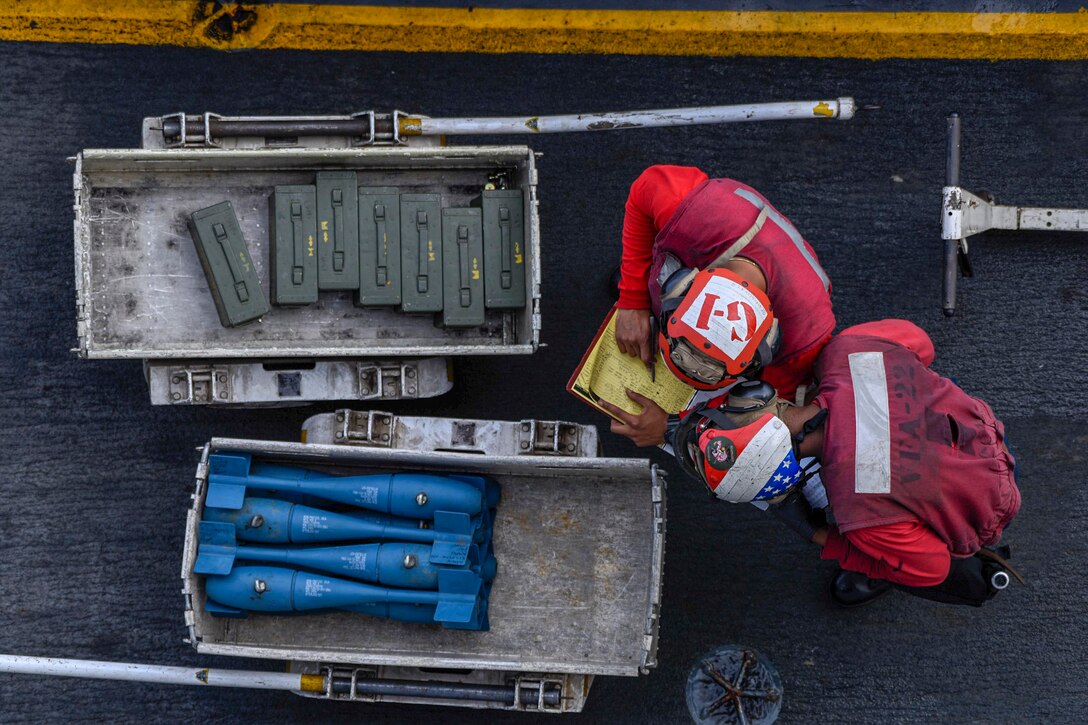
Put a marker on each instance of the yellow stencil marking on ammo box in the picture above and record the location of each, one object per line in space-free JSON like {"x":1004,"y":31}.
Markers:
{"x":230,"y":26}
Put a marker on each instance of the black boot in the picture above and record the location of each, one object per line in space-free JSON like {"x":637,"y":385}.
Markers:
{"x":851,"y":589}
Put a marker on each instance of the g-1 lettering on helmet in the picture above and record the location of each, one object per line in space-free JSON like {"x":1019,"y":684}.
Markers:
{"x":714,"y":327}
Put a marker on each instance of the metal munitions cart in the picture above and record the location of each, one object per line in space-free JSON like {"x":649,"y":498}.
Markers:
{"x":141,"y":293}
{"x":580,"y":546}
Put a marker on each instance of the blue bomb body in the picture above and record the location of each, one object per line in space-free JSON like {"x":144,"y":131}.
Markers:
{"x":460,"y":601}
{"x":270,"y":521}
{"x":414,"y":495}
{"x":396,"y":564}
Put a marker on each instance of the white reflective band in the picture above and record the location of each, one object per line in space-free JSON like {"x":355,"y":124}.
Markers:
{"x":726,"y":314}
{"x":872,"y":427}
{"x":791,"y":232}
{"x":736,"y":247}
{"x":756,"y":463}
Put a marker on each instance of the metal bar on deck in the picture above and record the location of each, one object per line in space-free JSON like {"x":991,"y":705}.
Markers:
{"x":840,"y":108}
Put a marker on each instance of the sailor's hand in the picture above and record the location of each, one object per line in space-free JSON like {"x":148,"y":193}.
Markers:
{"x":633,"y":333}
{"x":645,"y":429}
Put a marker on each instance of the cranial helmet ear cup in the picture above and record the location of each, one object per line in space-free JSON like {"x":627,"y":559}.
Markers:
{"x":767,"y":349}
{"x":684,"y":441}
{"x":678,"y":284}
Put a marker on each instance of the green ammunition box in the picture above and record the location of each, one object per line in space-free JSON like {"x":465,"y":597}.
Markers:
{"x":227,"y":265}
{"x":292,"y":229}
{"x":504,"y":248}
{"x":338,"y":230}
{"x":421,"y":252}
{"x":463,"y":273}
{"x":379,"y":246}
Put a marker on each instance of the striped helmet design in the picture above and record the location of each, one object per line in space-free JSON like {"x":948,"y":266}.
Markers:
{"x":755,"y":462}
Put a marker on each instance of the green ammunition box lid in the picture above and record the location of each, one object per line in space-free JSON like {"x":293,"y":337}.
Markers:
{"x":292,"y":225}
{"x":338,"y":230}
{"x":227,"y":265}
{"x":421,"y":252}
{"x":379,"y":246}
{"x":504,"y":248}
{"x":463,"y":268}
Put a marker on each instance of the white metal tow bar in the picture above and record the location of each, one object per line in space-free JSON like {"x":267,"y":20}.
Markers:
{"x":964,"y":214}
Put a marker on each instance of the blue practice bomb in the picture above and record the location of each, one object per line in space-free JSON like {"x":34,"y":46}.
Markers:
{"x":271,"y":521}
{"x":459,"y":603}
{"x":414,"y":495}
{"x":396,"y":564}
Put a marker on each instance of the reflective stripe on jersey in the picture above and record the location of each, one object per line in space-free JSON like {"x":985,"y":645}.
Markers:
{"x":791,"y":232}
{"x":872,"y":428}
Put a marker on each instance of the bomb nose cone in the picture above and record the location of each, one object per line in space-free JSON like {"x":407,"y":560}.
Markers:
{"x":489,"y":569}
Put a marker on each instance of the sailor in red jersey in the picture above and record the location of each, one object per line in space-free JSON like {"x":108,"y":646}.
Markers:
{"x":915,"y":473}
{"x":677,"y":222}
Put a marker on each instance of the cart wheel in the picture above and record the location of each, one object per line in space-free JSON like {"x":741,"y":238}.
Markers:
{"x":734,"y":684}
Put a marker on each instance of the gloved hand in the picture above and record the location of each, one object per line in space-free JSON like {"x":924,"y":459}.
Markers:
{"x":795,"y":513}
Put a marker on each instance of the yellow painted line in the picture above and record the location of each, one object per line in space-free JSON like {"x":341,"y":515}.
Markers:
{"x":228,"y":26}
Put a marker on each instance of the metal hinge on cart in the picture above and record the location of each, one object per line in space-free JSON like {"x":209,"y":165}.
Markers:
{"x":369,"y":427}
{"x":544,"y":437}
{"x":389,"y":381}
{"x":202,"y":384}
{"x":964,"y":214}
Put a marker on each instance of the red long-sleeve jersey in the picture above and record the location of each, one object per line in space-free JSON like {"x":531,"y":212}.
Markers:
{"x":907,"y":553}
{"x":653,"y":199}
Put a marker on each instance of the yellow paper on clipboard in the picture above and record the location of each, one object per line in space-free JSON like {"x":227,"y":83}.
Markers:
{"x":606,"y":374}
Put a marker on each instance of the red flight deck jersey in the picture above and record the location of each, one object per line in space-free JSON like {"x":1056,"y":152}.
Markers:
{"x":915,"y":469}
{"x":678,"y":211}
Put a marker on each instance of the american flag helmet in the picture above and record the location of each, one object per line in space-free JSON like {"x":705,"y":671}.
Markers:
{"x":751,"y":462}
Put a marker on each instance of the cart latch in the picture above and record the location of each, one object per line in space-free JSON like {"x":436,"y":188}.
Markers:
{"x":368,"y":428}
{"x":388,"y":382}
{"x":552,"y":437}
{"x":200,"y":385}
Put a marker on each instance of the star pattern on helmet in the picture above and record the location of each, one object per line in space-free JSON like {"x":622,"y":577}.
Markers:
{"x":785,"y":476}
